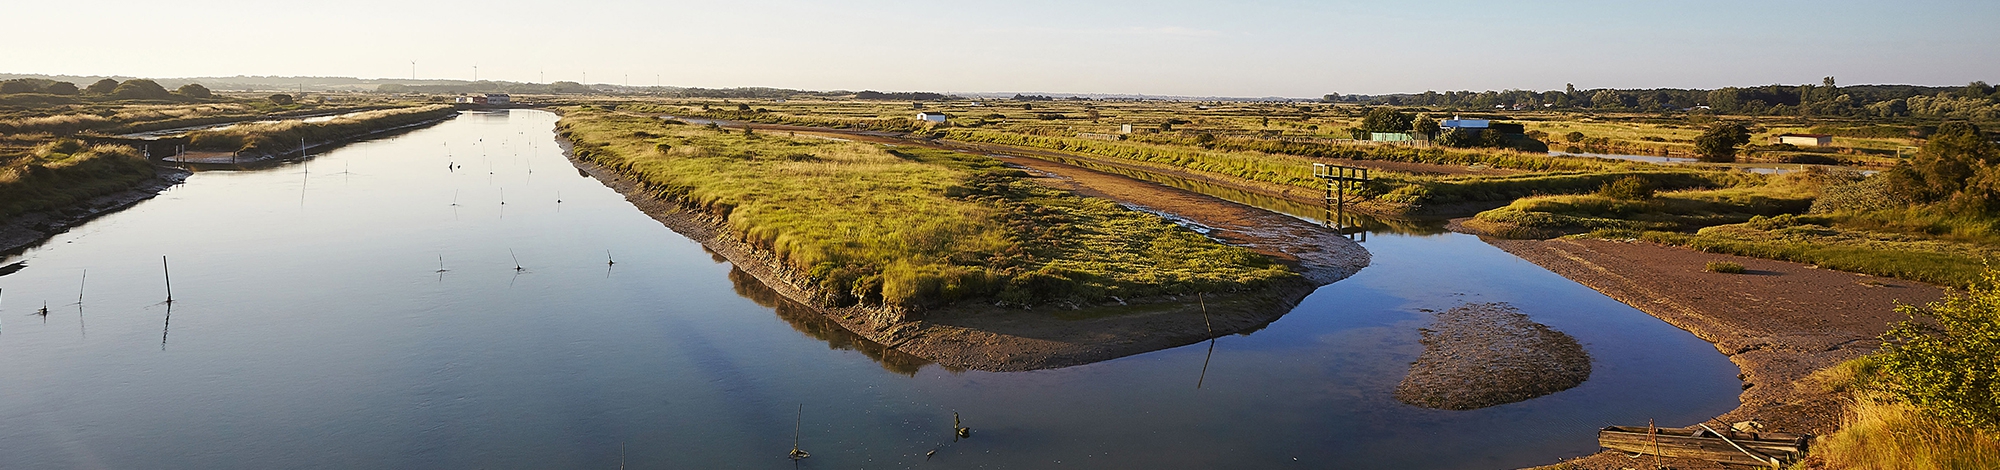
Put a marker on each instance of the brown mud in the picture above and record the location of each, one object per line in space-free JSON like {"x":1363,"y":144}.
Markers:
{"x":1487,"y":354}
{"x":1778,"y":321}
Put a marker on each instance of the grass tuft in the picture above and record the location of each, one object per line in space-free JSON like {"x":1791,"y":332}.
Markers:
{"x":1724,"y":267}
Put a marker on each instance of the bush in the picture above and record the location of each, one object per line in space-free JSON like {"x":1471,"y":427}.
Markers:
{"x":1724,"y":267}
{"x":1946,"y":358}
{"x":140,"y":89}
{"x":101,"y":87}
{"x":1630,"y":188}
{"x":281,"y":99}
{"x":194,"y":90}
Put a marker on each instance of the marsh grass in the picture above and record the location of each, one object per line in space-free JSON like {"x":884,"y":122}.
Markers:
{"x":911,"y":228}
{"x":1670,"y":211}
{"x":1723,"y":267}
{"x":1881,"y":254}
{"x":279,"y":137}
{"x":63,"y":172}
{"x":1879,"y":432}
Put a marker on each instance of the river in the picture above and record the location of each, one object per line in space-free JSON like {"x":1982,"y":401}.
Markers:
{"x":312,"y":327}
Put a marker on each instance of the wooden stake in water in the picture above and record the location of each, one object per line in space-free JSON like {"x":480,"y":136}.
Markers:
{"x":1204,"y":314}
{"x":797,"y":453}
{"x":169,"y":277}
{"x":441,"y":263}
{"x":517,"y":261}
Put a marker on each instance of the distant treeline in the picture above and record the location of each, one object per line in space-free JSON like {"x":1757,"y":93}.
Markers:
{"x":137,"y":88}
{"x":900,"y":96}
{"x":1973,"y":101}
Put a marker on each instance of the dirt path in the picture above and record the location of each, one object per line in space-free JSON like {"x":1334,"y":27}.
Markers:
{"x":1778,"y":321}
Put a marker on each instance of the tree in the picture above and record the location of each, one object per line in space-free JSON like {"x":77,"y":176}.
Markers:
{"x":1330,"y":97}
{"x":194,"y":90}
{"x":60,"y":88}
{"x":1720,"y":142}
{"x":1958,"y":166}
{"x":1386,"y":120}
{"x":281,"y":99}
{"x":101,"y":87}
{"x":140,"y":88}
{"x":1573,"y":137}
{"x":1424,"y":126}
{"x":1976,"y":90}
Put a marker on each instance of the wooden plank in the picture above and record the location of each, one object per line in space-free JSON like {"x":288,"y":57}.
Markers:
{"x":1698,"y":444}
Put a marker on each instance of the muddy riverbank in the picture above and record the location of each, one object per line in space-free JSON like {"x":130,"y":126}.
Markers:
{"x":1778,"y":321}
{"x":22,"y":231}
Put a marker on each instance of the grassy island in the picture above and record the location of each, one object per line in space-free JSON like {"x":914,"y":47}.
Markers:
{"x":911,"y":228}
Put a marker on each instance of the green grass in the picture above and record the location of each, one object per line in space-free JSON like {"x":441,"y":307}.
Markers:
{"x":1724,"y":267}
{"x":1550,"y":216}
{"x":1887,"y":255}
{"x":62,"y":173}
{"x":908,"y":228}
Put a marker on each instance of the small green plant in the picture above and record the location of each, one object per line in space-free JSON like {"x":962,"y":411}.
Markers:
{"x":1724,"y":267}
{"x":1630,"y":188}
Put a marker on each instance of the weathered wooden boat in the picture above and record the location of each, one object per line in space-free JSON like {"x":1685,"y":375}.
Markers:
{"x":1702,"y":442}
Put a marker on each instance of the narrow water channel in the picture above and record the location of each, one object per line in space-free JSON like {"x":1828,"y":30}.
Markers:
{"x":312,"y":328}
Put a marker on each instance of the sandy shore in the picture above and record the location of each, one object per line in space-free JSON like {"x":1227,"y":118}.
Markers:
{"x":1779,"y":321}
{"x":977,"y":336}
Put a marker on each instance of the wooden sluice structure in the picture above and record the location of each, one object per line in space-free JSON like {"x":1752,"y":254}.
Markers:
{"x":1343,"y":186}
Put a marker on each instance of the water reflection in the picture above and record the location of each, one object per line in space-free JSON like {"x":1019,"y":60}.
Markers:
{"x":813,"y":324}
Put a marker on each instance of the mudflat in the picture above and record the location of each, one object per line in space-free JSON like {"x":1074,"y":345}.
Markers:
{"x":1778,"y":321}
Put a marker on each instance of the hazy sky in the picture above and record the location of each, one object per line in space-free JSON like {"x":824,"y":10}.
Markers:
{"x":1239,"y":48}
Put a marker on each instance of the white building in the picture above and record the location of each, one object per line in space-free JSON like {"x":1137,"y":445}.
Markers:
{"x":1805,"y":140}
{"x":486,"y":99}
{"x":932,"y":117}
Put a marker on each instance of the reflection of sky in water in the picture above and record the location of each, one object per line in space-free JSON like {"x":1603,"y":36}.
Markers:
{"x":311,"y":331}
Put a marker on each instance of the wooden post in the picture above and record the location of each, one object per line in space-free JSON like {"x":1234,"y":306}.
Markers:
{"x":169,"y":277}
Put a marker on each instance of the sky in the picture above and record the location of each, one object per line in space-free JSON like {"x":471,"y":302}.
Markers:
{"x":1244,"y":48}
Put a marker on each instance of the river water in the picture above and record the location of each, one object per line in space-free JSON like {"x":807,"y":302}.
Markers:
{"x":311,"y":328}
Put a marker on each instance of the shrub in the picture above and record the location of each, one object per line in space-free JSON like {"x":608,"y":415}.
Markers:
{"x":60,"y":88}
{"x":101,"y":87}
{"x":1724,"y":267}
{"x":140,"y":89}
{"x":281,"y":99}
{"x":1946,"y":358}
{"x":194,"y":90}
{"x":1631,"y":188}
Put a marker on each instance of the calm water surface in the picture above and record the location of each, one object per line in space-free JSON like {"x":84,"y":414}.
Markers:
{"x":312,"y":329}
